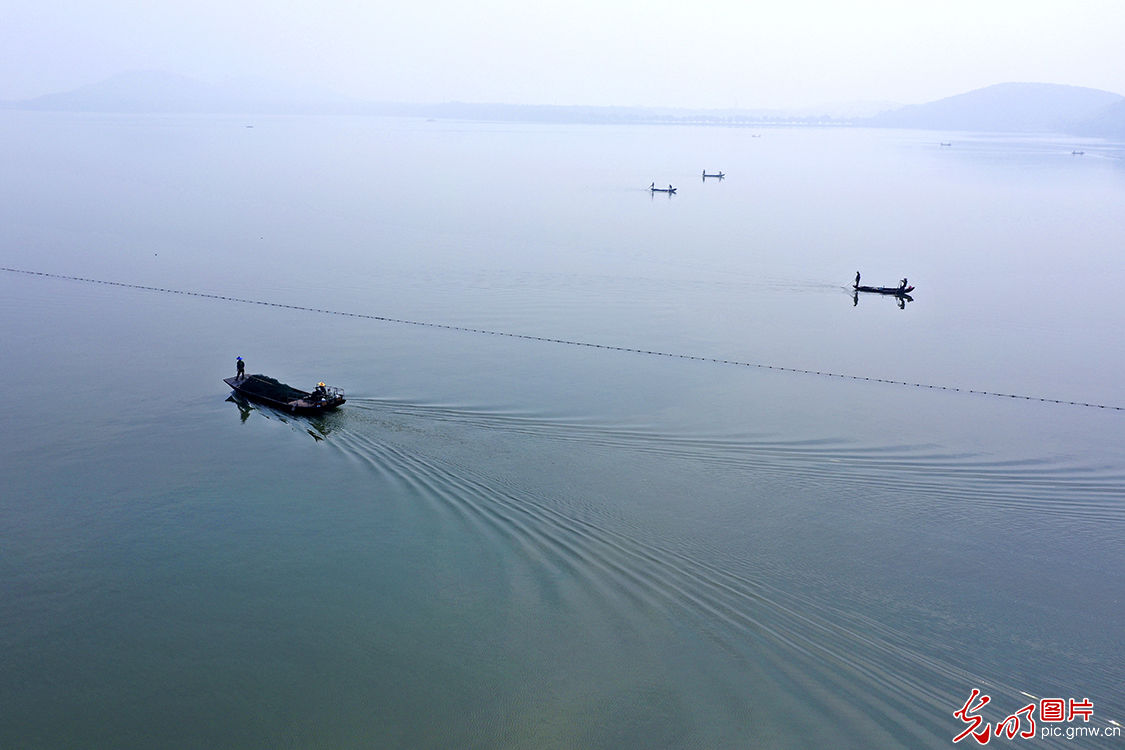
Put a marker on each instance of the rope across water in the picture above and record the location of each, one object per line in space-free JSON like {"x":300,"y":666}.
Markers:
{"x":567,"y":342}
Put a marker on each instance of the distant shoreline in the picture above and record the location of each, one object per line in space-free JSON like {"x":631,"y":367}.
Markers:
{"x":561,"y":114}
{"x":1002,"y":108}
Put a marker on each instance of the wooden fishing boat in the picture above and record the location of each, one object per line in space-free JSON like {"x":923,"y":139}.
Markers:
{"x":668,"y":189}
{"x":896,"y":290}
{"x":720,"y":175}
{"x":266,"y":390}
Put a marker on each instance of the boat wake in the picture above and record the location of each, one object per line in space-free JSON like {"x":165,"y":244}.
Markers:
{"x":1071,"y":490}
{"x":577,"y":542}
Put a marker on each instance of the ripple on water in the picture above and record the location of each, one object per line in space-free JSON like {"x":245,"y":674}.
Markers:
{"x":787,"y":640}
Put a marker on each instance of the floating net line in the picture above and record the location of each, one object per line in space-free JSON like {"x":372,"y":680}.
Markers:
{"x":567,"y":342}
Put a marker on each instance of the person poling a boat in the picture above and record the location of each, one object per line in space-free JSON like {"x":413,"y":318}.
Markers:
{"x":902,"y":289}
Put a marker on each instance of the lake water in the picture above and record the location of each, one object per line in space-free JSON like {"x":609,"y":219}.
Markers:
{"x":570,"y":536}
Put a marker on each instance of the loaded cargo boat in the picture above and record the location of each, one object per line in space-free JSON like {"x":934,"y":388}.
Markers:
{"x":266,"y":390}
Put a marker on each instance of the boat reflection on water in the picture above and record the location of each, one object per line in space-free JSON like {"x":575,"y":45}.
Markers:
{"x":900,"y":299}
{"x":318,"y":426}
{"x":244,"y":407}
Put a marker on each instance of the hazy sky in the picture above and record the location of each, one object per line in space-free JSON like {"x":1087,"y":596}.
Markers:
{"x":687,"y":53}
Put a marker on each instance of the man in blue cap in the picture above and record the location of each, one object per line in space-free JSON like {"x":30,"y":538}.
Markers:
{"x":241,"y":367}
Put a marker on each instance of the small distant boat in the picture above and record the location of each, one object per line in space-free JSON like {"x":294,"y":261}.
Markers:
{"x":653,"y":188}
{"x":719,"y":175}
{"x":266,"y":390}
{"x":946,"y":144}
{"x":1078,"y":153}
{"x":896,"y":290}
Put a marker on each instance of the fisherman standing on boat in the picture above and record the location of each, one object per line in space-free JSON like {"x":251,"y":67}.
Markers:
{"x":240,"y":367}
{"x":320,"y":393}
{"x":902,"y":285}
{"x":857,"y":279}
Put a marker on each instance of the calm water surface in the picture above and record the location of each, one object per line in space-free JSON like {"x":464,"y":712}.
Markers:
{"x":508,"y":542}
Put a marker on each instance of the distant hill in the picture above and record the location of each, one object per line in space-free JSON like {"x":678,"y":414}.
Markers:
{"x":1108,"y":122}
{"x":159,"y":91}
{"x":1007,"y":107}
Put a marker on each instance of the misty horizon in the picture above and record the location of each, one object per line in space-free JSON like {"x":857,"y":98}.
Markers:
{"x":262,"y":88}
{"x":1004,"y":107}
{"x":720,"y":57}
